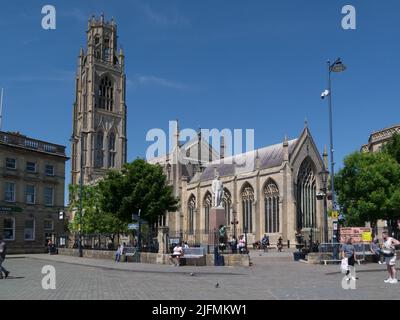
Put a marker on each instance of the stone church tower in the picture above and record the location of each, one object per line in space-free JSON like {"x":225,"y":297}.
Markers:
{"x":99,"y":117}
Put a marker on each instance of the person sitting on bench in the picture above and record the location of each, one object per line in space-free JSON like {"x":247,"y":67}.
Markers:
{"x":176,"y":255}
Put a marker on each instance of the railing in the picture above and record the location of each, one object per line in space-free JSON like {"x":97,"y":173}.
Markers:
{"x":23,"y":141}
{"x":330,"y":252}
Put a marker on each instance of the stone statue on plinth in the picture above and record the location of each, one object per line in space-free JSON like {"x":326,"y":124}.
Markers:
{"x":218,"y":191}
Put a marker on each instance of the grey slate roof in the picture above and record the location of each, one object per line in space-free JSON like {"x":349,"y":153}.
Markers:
{"x":269,"y":157}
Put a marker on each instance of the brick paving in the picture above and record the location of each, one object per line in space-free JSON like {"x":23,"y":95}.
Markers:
{"x":272,"y":276}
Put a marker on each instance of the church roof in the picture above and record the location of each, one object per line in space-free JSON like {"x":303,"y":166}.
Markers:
{"x":269,"y":157}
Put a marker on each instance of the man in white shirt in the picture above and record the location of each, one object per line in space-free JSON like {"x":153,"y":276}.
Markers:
{"x":389,"y":252}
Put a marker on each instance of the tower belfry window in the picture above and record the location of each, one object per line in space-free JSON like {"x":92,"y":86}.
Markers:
{"x":106,"y":94}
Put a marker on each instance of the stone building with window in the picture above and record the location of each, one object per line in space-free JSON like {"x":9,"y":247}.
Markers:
{"x":271,"y":190}
{"x":32,"y":182}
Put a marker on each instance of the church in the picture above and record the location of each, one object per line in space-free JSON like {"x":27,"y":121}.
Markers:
{"x":274,"y":193}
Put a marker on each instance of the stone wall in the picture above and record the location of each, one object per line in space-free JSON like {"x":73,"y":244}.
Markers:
{"x":158,"y":258}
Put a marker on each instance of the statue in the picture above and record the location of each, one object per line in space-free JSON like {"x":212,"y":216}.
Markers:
{"x":218,"y":191}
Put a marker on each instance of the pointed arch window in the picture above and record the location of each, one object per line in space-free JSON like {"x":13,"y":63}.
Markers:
{"x":191,"y":211}
{"x":271,"y":199}
{"x":306,"y":196}
{"x":111,"y":150}
{"x":207,"y":204}
{"x":227,"y":204}
{"x":99,"y":152}
{"x":247,"y":208}
{"x":106,"y":94}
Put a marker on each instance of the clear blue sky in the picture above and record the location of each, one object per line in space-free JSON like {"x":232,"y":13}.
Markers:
{"x":215,"y":64}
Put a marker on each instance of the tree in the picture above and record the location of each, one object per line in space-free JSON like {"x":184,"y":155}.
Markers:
{"x":94,"y":220}
{"x":139,"y":185}
{"x":392,"y":147}
{"x":368,"y":188}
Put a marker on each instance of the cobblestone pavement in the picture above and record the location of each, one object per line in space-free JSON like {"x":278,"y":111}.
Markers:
{"x":272,"y":276}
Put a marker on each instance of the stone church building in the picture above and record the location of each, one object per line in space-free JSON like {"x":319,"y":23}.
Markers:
{"x":274,"y":192}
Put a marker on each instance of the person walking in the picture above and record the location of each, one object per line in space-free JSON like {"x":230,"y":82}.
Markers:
{"x":118,"y":253}
{"x":389,"y":252}
{"x":3,"y":252}
{"x":349,"y":252}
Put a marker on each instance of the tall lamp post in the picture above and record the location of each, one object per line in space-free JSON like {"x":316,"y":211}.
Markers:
{"x":324,"y":178}
{"x":337,"y":67}
{"x":81,"y":199}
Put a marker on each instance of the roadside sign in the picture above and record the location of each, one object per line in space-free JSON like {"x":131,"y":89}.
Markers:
{"x":133,"y":226}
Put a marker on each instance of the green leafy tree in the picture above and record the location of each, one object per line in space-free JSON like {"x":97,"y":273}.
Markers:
{"x":368,"y":188}
{"x":139,"y":185}
{"x":94,"y":220}
{"x":392,"y":147}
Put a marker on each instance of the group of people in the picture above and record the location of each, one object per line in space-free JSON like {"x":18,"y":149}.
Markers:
{"x":387,"y":251}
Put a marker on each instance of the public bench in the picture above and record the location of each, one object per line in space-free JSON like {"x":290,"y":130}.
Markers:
{"x":193,"y":254}
{"x":129,"y":252}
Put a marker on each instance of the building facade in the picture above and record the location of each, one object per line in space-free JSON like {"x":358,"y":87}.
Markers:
{"x":379,"y":138}
{"x":99,"y":111}
{"x":271,"y":191}
{"x":32,"y":182}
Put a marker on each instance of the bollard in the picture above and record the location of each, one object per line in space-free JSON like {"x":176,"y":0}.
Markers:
{"x":288,"y":244}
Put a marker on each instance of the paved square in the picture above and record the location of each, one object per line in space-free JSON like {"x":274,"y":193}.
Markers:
{"x":272,"y":276}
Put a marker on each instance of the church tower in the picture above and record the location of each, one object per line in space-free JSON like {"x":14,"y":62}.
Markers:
{"x":99,"y":117}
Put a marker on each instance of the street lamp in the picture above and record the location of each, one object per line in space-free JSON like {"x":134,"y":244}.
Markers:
{"x":324,"y":178}
{"x":81,"y":199}
{"x":337,"y":67}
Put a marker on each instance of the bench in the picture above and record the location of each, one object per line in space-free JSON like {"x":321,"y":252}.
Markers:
{"x":129,"y":252}
{"x":193,"y":254}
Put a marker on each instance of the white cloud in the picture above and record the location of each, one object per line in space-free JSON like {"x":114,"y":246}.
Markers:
{"x":150,"y":80}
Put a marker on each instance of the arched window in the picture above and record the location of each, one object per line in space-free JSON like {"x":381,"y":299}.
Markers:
{"x":191,"y":211}
{"x":306,"y":196}
{"x":99,"y":153}
{"x":106,"y":94}
{"x":247,"y":208}
{"x":111,"y":150}
{"x":207,"y":204}
{"x":271,"y":199}
{"x":227,"y":204}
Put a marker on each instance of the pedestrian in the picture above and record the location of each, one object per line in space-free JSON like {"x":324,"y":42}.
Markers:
{"x":234,"y":245}
{"x":279,"y":245}
{"x":376,"y":250}
{"x":118,"y":254}
{"x":176,"y":255}
{"x":389,"y":252}
{"x":242,"y":244}
{"x":349,"y":252}
{"x":3,"y":252}
{"x":265,"y":242}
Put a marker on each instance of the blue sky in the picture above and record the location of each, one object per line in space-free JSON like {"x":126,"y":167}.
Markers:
{"x":213,"y":64}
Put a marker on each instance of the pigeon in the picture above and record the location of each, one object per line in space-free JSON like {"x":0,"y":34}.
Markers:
{"x":217,"y":285}
{"x":192,"y":274}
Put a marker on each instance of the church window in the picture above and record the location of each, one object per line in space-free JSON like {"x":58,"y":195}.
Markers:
{"x":306,"y":196}
{"x":207,"y":206}
{"x":99,"y":153}
{"x":271,"y":199}
{"x":105,"y":94}
{"x":191,"y":211}
{"x":247,"y":208}
{"x":227,"y":204}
